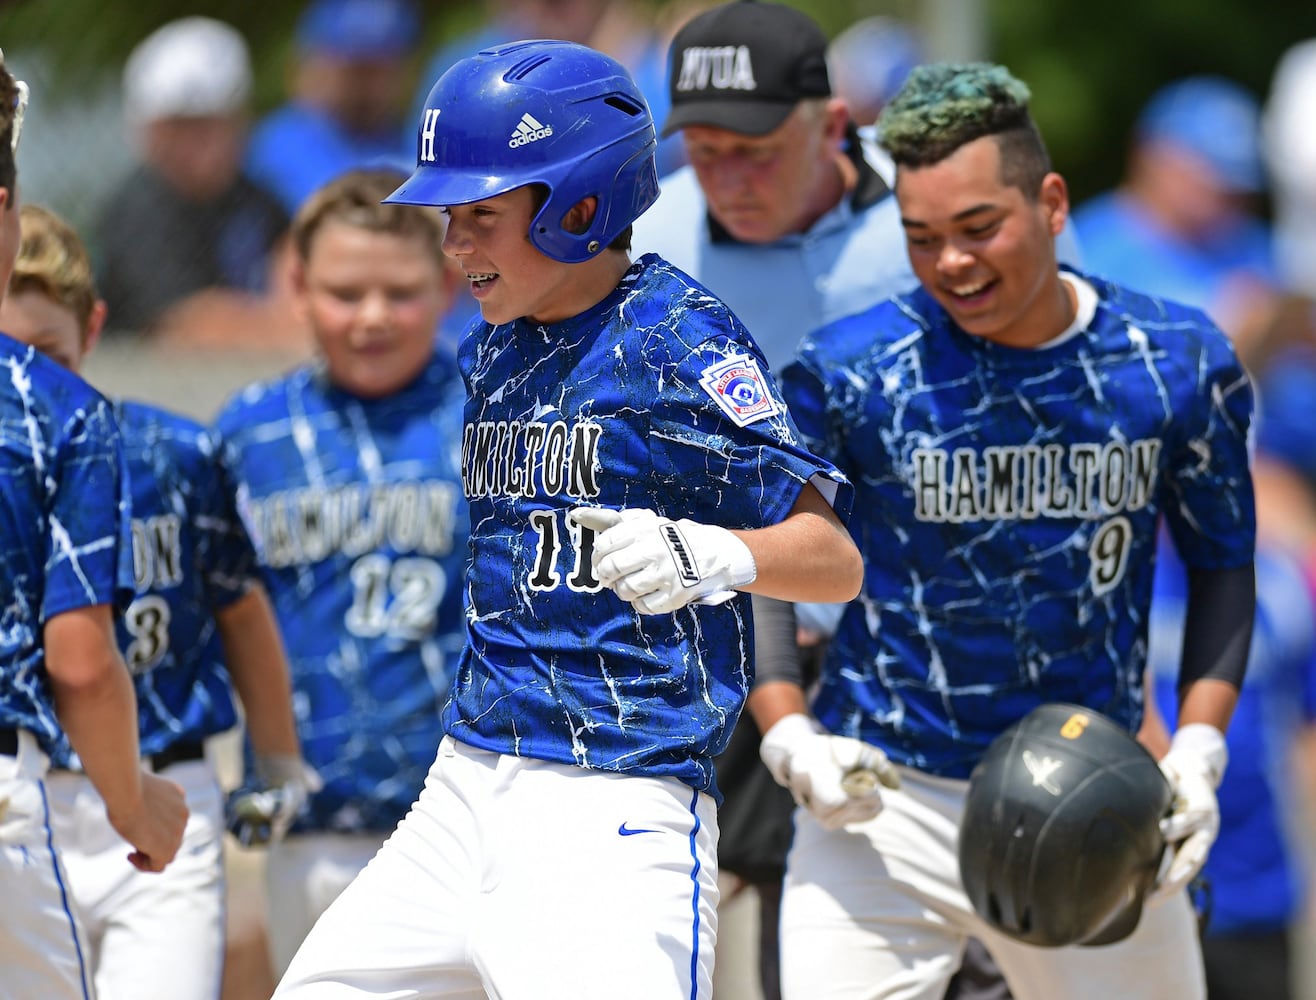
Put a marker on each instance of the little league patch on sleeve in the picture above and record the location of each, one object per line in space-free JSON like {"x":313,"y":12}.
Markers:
{"x":737,"y":385}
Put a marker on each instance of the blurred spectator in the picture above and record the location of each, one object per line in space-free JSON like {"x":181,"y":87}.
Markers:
{"x":1290,"y":147}
{"x":1285,"y":352}
{"x":348,"y":83}
{"x":53,"y":159}
{"x":620,"y":28}
{"x":868,"y":62}
{"x":188,"y":218}
{"x":1181,"y":225}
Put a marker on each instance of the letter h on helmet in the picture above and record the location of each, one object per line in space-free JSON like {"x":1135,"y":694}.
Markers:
{"x":539,"y":112}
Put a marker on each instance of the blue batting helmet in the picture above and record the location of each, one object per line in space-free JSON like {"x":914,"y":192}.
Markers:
{"x":539,"y":112}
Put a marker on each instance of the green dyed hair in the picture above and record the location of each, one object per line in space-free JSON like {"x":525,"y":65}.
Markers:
{"x":944,"y":106}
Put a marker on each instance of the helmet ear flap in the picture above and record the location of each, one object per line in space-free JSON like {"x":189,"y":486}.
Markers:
{"x":1060,"y":836}
{"x":623,"y":177}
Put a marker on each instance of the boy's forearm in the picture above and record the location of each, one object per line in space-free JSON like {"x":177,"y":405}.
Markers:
{"x":808,"y":556}
{"x":96,"y":705}
{"x":254,"y":653}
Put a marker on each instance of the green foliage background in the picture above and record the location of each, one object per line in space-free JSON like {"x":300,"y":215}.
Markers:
{"x":1091,"y":63}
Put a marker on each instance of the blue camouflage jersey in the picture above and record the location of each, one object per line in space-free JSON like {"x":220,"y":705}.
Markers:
{"x":658,"y":398}
{"x":191,"y":558}
{"x":64,"y":536}
{"x":356,"y":511}
{"x":1008,"y":503}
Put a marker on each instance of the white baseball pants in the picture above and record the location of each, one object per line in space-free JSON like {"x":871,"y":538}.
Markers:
{"x":517,"y":879}
{"x":152,"y":936}
{"x":304,"y":873}
{"x":43,"y":951}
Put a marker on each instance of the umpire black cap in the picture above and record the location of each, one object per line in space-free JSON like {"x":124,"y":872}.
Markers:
{"x":1060,"y":838}
{"x":744,"y":67}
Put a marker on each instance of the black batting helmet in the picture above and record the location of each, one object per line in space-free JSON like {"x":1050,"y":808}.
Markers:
{"x":1060,"y":838}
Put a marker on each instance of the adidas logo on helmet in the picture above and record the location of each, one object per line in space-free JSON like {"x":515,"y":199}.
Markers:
{"x":529,"y":130}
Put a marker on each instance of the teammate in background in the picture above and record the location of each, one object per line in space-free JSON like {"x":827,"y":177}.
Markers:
{"x":349,"y":81}
{"x":64,"y":554}
{"x":1015,"y":431}
{"x":349,"y":480}
{"x":617,"y":415}
{"x":198,"y":627}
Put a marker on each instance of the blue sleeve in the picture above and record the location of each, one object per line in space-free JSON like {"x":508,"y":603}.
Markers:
{"x":810,"y":399}
{"x":1211,"y":513}
{"x":722,"y":436}
{"x":89,"y":542}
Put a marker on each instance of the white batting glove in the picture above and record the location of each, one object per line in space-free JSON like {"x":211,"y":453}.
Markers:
{"x":660,"y":565}
{"x":1194,"y":766}
{"x":836,"y":778}
{"x":262,"y":815}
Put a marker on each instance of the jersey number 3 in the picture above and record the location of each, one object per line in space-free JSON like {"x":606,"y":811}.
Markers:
{"x":147,"y":621}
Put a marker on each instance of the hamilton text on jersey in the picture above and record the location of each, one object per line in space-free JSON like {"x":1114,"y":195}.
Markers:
{"x":307,"y":525}
{"x":509,"y":458}
{"x":1021,"y":482}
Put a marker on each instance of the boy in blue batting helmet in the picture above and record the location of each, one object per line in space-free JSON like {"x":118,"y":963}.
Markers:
{"x":632,"y":475}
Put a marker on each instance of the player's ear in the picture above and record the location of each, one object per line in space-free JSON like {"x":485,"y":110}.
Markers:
{"x":1054,"y":199}
{"x":91,"y":333}
{"x":836,"y":120}
{"x":580,"y":215}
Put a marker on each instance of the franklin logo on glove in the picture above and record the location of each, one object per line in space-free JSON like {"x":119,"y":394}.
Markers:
{"x":684,"y":564}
